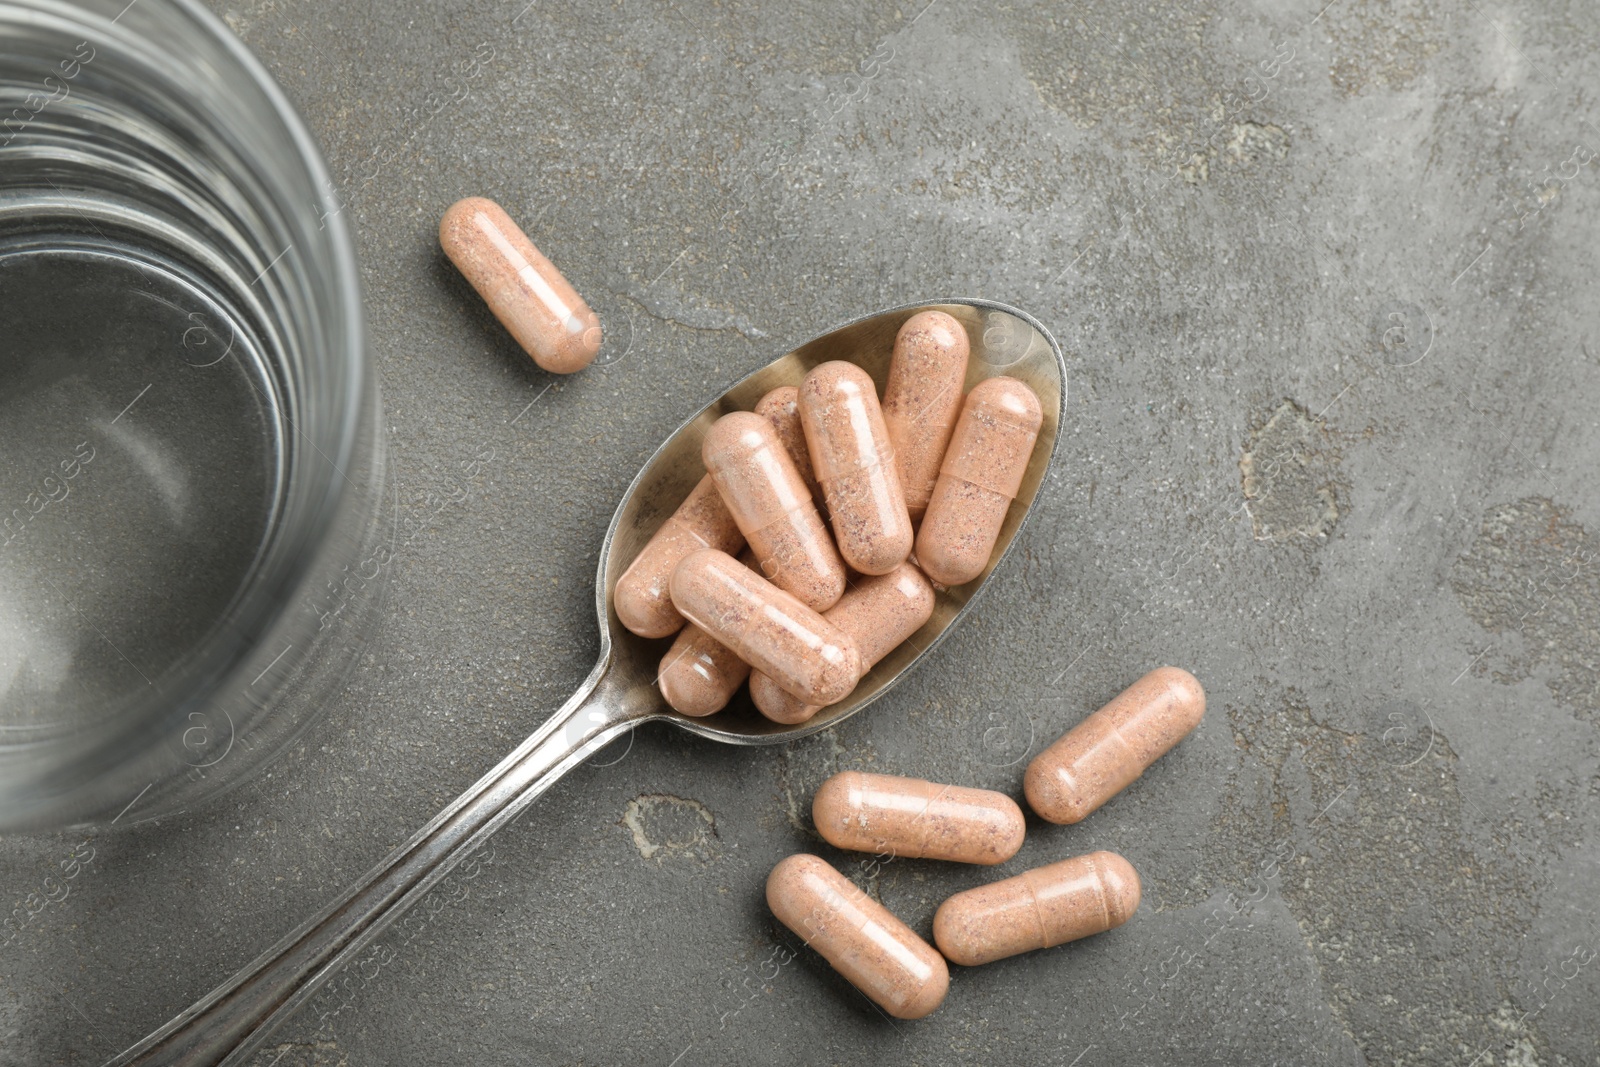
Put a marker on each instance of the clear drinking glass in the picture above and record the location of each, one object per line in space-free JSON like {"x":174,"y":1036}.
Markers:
{"x":191,"y":454}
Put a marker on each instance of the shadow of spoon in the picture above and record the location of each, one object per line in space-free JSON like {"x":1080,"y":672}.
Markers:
{"x":233,"y":1021}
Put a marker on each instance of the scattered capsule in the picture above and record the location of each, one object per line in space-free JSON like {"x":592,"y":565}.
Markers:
{"x":860,"y":938}
{"x":773,"y":508}
{"x":886,"y":814}
{"x":642,"y":598}
{"x":854,"y":464}
{"x":766,"y":627}
{"x":878,"y":613}
{"x":980,"y":476}
{"x":781,"y":407}
{"x":1041,"y":908}
{"x":524,"y":290}
{"x":1095,"y":760}
{"x":922,"y":400}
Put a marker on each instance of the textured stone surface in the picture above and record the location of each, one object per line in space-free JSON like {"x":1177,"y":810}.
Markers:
{"x":1379,"y":845}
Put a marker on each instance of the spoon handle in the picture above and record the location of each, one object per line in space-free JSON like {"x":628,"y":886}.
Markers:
{"x":225,"y":1027}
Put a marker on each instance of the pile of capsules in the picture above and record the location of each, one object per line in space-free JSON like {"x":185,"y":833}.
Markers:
{"x":1047,"y":906}
{"x":916,"y":490}
{"x":804,"y":615}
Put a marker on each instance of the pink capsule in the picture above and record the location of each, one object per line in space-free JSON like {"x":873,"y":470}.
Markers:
{"x":860,"y":938}
{"x":982,"y":471}
{"x":524,"y":290}
{"x":854,"y":463}
{"x":781,"y":407}
{"x":699,"y":674}
{"x":642,"y":598}
{"x":1041,"y":908}
{"x":878,"y":613}
{"x":769,"y":500}
{"x":922,"y":400}
{"x":766,"y":627}
{"x":887,"y":814}
{"x":1103,"y":754}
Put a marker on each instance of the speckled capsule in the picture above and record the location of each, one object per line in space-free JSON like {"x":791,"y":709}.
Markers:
{"x":643,"y":598}
{"x":699,"y":674}
{"x":922,"y":400}
{"x":766,"y":627}
{"x":1098,"y":758}
{"x":854,"y":464}
{"x":773,"y":508}
{"x":524,"y":290}
{"x":889,"y":815}
{"x":879,"y":613}
{"x":1041,"y":908}
{"x":980,"y":476}
{"x":781,"y":407}
{"x":860,"y":938}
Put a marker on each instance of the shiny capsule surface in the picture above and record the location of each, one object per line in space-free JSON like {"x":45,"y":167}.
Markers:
{"x":527,"y":294}
{"x":922,"y":400}
{"x":879,"y":613}
{"x":699,"y":674}
{"x":781,"y":407}
{"x":1098,"y":758}
{"x":854,"y":464}
{"x":643,"y":597}
{"x":980,"y":476}
{"x":766,"y":627}
{"x":773,"y":508}
{"x":860,"y":938}
{"x":888,"y":815}
{"x":1041,"y":908}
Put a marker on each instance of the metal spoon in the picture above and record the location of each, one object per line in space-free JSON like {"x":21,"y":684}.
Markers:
{"x":232,"y":1022}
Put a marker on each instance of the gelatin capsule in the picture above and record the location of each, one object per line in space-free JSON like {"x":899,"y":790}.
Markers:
{"x":1041,"y":908}
{"x":1099,"y":757}
{"x":860,"y":938}
{"x":773,"y":508}
{"x":643,"y":598}
{"x":888,"y":815}
{"x":699,"y":674}
{"x":781,"y":407}
{"x":878,"y":613}
{"x":766,"y":627}
{"x":854,"y":464}
{"x":980,"y":476}
{"x":922,"y":400}
{"x":524,"y":290}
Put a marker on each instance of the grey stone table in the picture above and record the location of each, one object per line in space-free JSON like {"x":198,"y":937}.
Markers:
{"x":1325,"y":276}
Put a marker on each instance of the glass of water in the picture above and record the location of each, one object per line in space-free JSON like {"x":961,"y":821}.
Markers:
{"x":193,"y":540}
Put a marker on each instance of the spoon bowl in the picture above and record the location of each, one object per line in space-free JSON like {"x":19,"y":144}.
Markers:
{"x":233,"y":1021}
{"x":1005,"y":341}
